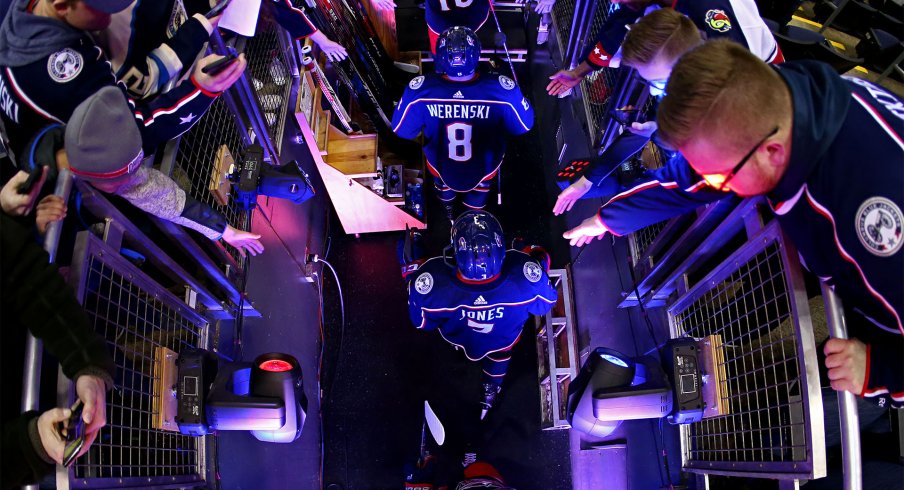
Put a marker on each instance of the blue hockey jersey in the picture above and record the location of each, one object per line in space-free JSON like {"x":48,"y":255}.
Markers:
{"x":738,"y":20}
{"x":464,"y":124}
{"x":443,"y":14}
{"x":480,"y":317}
{"x":840,"y":201}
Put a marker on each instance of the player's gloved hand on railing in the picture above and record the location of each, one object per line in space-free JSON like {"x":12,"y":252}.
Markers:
{"x":220,"y":81}
{"x":243,"y":241}
{"x":383,"y":4}
{"x":333,"y":50}
{"x":544,"y":6}
{"x":590,"y":229}
{"x":571,"y":195}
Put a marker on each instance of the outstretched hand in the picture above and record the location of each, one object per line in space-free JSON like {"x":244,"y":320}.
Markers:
{"x":590,"y":229}
{"x":562,"y":81}
{"x":333,"y":50}
{"x":571,"y":195}
{"x":544,"y":6}
{"x":243,"y":241}
{"x":383,"y":4}
{"x":92,"y":391}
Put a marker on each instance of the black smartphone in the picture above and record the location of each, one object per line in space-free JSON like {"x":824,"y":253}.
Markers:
{"x":74,"y":433}
{"x":219,"y":65}
{"x":217,"y":9}
{"x":33,"y":177}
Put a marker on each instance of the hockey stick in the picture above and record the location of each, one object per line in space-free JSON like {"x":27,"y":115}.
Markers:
{"x":500,"y":38}
{"x":327,"y":89}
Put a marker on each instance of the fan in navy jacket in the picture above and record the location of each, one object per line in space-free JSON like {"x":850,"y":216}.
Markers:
{"x":48,"y":67}
{"x":839,"y":196}
{"x":738,"y":20}
{"x":480,"y":307}
{"x":152,"y":44}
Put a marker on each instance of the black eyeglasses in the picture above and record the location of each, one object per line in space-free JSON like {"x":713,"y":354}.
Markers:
{"x":734,"y":171}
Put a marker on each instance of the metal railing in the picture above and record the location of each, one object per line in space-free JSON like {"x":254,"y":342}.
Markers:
{"x":756,"y":302}
{"x":34,"y":348}
{"x":134,"y":315}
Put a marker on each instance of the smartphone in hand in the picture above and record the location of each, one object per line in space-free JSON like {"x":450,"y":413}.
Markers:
{"x":73,"y":431}
{"x":217,"y":9}
{"x":219,"y":65}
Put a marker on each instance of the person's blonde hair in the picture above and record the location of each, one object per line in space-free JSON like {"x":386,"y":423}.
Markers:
{"x":723,"y":91}
{"x":664,"y":32}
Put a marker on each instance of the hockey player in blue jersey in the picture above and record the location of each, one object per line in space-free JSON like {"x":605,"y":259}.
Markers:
{"x":464,"y":115}
{"x":481,"y":305}
{"x":446,"y":14}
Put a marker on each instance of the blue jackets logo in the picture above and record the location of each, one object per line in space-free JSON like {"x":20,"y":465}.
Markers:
{"x":879,"y":225}
{"x":416,"y":82}
{"x":65,"y":65}
{"x":532,"y":271}
{"x":424,"y":283}
{"x":506,"y":82}
{"x":718,"y":20}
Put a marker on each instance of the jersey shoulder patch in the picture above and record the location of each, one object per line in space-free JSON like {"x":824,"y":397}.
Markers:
{"x":506,"y":82}
{"x":718,"y":20}
{"x":879,"y":224}
{"x":416,"y":82}
{"x":423,"y":284}
{"x":532,"y":271}
{"x":64,"y":65}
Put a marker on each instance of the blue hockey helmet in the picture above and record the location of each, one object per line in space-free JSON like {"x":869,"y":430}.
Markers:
{"x":478,"y":244}
{"x":457,"y":52}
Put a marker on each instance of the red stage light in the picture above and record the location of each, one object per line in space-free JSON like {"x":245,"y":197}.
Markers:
{"x":276,"y":366}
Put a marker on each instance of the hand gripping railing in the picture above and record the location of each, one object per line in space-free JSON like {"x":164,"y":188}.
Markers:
{"x":847,"y":402}
{"x":31,"y":377}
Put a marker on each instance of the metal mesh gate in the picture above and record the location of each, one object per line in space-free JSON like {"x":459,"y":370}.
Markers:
{"x":756,"y":302}
{"x":134,"y":315}
{"x":195,"y":159}
{"x":599,"y":86}
{"x":640,"y":240}
{"x":270,"y":78}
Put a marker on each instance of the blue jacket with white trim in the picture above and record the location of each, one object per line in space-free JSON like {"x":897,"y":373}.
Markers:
{"x":841,"y":201}
{"x":464,"y":124}
{"x":480,"y":317}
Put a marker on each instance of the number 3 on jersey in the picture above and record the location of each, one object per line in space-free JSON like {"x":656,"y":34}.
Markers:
{"x":444,"y":4}
{"x":459,"y":136}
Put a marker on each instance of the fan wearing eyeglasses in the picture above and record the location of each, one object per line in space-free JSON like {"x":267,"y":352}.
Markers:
{"x":826,"y":152}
